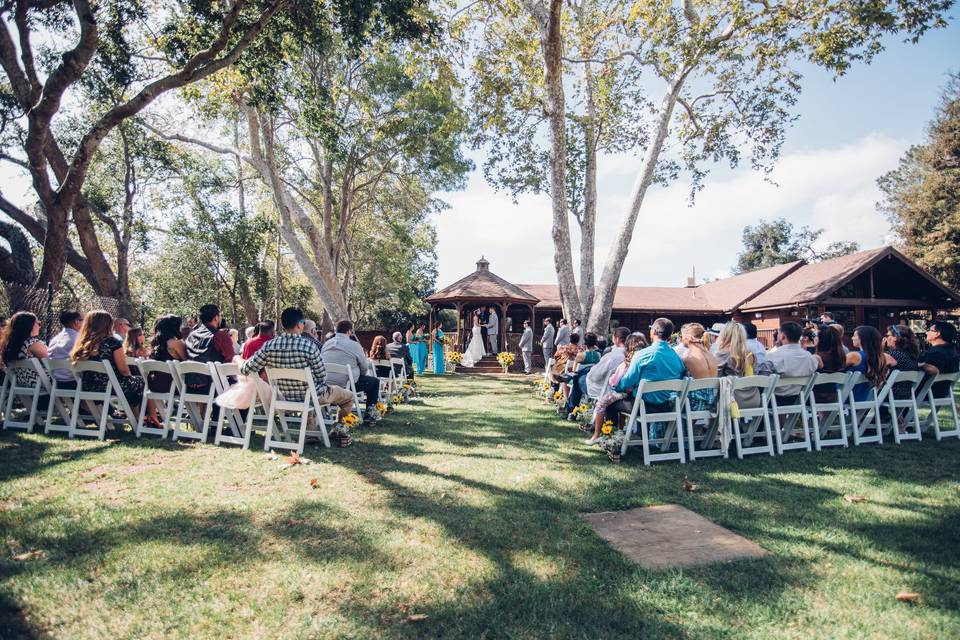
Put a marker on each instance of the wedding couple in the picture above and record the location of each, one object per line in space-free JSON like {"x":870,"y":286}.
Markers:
{"x":486,"y":326}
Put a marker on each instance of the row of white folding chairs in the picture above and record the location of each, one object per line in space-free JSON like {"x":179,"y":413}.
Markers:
{"x":190,"y":411}
{"x":396,"y":376}
{"x":805,"y":423}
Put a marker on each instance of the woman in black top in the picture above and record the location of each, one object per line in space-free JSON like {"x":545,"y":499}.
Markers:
{"x":96,"y":342}
{"x":901,"y":344}
{"x":830,"y":359}
{"x":165,"y":345}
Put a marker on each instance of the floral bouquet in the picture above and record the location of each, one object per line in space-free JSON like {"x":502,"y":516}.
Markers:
{"x":611,"y":440}
{"x":382,"y":408}
{"x":407,"y":390}
{"x":558,"y":398}
{"x":454,"y":357}
{"x":583,"y":414}
{"x":340,"y":432}
{"x":397,"y":399}
{"x":506,"y":359}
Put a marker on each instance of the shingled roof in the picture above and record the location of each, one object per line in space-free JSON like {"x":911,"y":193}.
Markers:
{"x":483,"y":284}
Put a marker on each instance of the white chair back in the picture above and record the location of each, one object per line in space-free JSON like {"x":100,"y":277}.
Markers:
{"x":402,"y":375}
{"x":241,"y":428}
{"x":831,"y":415}
{"x":307,"y":418}
{"x":746,"y":427}
{"x":641,"y":419}
{"x":61,"y":394}
{"x":865,"y":415}
{"x":27,"y":393}
{"x":194,"y":407}
{"x":163,"y":400}
{"x":703,"y":425}
{"x":791,"y":422}
{"x":936,"y":403}
{"x":347,"y":371}
{"x":98,"y":401}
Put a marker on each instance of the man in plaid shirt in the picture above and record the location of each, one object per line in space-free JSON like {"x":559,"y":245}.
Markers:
{"x":292,"y":350}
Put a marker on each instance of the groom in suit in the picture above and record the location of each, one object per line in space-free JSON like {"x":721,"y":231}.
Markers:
{"x":484,"y":319}
{"x":493,"y":328}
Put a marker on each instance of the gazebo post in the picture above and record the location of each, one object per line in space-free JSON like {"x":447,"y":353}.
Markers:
{"x":456,"y":330}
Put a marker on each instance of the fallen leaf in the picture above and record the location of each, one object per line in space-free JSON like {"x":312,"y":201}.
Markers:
{"x":293,"y":458}
{"x":688,"y":486}
{"x":908,"y":596}
{"x":271,"y":456}
{"x":29,"y":555}
{"x":417,"y":617}
{"x":854,"y":498}
{"x":314,"y":483}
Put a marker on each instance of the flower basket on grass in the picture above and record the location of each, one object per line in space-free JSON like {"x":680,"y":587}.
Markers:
{"x":340,"y":433}
{"x":454,"y":358}
{"x":583,"y":414}
{"x":506,"y":359}
{"x":611,"y":440}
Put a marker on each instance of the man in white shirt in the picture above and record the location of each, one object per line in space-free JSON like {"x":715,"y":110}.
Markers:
{"x":597,"y":377}
{"x":62,"y":344}
{"x":791,"y":360}
{"x":342,"y":349}
{"x":526,"y":347}
{"x":755,"y":346}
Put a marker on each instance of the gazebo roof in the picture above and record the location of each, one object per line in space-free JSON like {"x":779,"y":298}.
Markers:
{"x":482,"y":285}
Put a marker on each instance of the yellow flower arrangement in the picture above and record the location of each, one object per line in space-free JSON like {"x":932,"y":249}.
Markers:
{"x":505,"y":358}
{"x":607,"y":427}
{"x":455,"y":357}
{"x":558,"y":396}
{"x":350,"y":419}
{"x":382,"y":408}
{"x":397,"y":399}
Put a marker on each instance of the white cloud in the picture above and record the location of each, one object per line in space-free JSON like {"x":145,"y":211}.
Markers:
{"x":834,"y":188}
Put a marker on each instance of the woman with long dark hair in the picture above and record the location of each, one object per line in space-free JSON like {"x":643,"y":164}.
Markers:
{"x":19,"y":341}
{"x":166,"y":345}
{"x":134,"y":345}
{"x":869,"y":359}
{"x":378,"y":353}
{"x":831,"y":358}
{"x":901,"y":344}
{"x":97,"y":342}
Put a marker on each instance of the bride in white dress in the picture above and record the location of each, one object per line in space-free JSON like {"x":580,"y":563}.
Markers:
{"x":475,"y":350}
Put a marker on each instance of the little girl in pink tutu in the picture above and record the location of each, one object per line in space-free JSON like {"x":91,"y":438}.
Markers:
{"x":635,"y":342}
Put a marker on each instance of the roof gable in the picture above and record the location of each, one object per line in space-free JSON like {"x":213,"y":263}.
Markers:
{"x":482,"y":284}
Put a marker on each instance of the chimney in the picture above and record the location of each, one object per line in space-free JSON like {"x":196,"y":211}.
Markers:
{"x":482,"y":264}
{"x":692,"y":280}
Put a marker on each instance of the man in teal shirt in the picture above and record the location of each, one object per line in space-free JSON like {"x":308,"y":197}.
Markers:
{"x":657,"y":362}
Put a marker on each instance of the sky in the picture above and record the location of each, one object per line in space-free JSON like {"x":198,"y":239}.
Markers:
{"x":850,"y":132}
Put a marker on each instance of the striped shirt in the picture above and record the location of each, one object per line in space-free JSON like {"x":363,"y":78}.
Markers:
{"x":289,"y":351}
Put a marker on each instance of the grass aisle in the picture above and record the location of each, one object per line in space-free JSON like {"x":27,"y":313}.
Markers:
{"x":463,"y":508}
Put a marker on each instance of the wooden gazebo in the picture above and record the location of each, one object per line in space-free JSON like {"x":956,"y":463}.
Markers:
{"x":482,"y":288}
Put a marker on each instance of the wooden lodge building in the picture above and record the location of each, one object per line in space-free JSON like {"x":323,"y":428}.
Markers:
{"x":874,"y":287}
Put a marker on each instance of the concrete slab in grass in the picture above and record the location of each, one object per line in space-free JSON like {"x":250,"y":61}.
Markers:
{"x":667,"y":536}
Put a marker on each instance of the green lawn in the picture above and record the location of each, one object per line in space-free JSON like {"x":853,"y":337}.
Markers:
{"x":463,"y":508}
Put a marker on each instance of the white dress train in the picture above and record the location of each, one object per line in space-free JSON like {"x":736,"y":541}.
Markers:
{"x":475,"y":349}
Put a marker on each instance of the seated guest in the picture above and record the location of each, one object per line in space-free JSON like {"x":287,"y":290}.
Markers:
{"x":133,"y":346}
{"x":310,"y":330}
{"x":753,"y":344}
{"x":397,"y":349}
{"x":165,"y":346}
{"x":941,"y":355}
{"x":248,"y":333}
{"x":97,"y":342}
{"x":901,"y":344}
{"x":699,"y":363}
{"x":264,"y":334}
{"x":120,"y":328}
{"x":585,"y":360}
{"x":735,"y":359}
{"x":19,"y":341}
{"x":869,"y":359}
{"x":830,"y":359}
{"x":808,"y":339}
{"x":343,"y":351}
{"x":62,"y":344}
{"x":792,"y":361}
{"x":598,"y":374}
{"x":566,"y":353}
{"x":378,"y":353}
{"x":602,"y":345}
{"x":291,"y":350}
{"x":608,"y":395}
{"x":654,"y":363}
{"x":207,"y":343}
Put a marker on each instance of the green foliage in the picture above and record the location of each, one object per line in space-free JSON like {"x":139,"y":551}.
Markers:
{"x":921,"y":197}
{"x":767,"y":244}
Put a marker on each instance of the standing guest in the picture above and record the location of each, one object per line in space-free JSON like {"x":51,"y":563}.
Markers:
{"x":901,"y":344}
{"x":627,"y":345}
{"x":97,"y":342}
{"x":166,"y":345}
{"x":62,"y":344}
{"x":413,"y":346}
{"x":563,"y":334}
{"x":264,"y":334}
{"x":791,"y":360}
{"x":423,"y":347}
{"x":291,"y":350}
{"x":869,"y":359}
{"x":120,"y":328}
{"x":576,"y":328}
{"x":756,"y":347}
{"x":597,"y":377}
{"x":735,"y":359}
{"x":526,"y":347}
{"x":546,"y":341}
{"x":826,"y":318}
{"x":19,"y":341}
{"x":699,"y":363}
{"x":654,"y":363}
{"x":378,"y":353}
{"x":397,"y":349}
{"x":207,"y":343}
{"x":133,"y":346}
{"x":941,"y":356}
{"x":808,"y":339}
{"x":439,"y":359}
{"x":343,"y":351}
{"x":830,"y":358}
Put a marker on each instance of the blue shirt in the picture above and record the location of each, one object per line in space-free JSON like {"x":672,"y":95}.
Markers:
{"x":656,"y":362}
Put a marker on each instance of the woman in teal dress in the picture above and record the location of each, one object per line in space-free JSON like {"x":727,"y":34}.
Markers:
{"x":422,"y":338}
{"x":413,"y":345}
{"x":439,"y":361}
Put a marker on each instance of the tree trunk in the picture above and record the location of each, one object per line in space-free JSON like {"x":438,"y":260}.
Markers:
{"x":246,"y":300}
{"x":548,"y":19}
{"x":607,"y":287}
{"x":589,"y":219}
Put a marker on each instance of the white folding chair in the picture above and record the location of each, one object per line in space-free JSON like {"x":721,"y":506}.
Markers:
{"x":703,"y":425}
{"x":163,"y":400}
{"x":865,"y":414}
{"x":61,"y":395}
{"x":193,"y":409}
{"x":754,"y":417}
{"x":903,"y":410}
{"x":787,"y":418}
{"x":27,"y":393}
{"x":280,"y":409}
{"x":98,"y":402}
{"x":547,"y":368}
{"x":935,"y":403}
{"x":640,"y":420}
{"x":241,"y":428}
{"x":388,"y":384}
{"x":835,"y":413}
{"x":347,"y":371}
